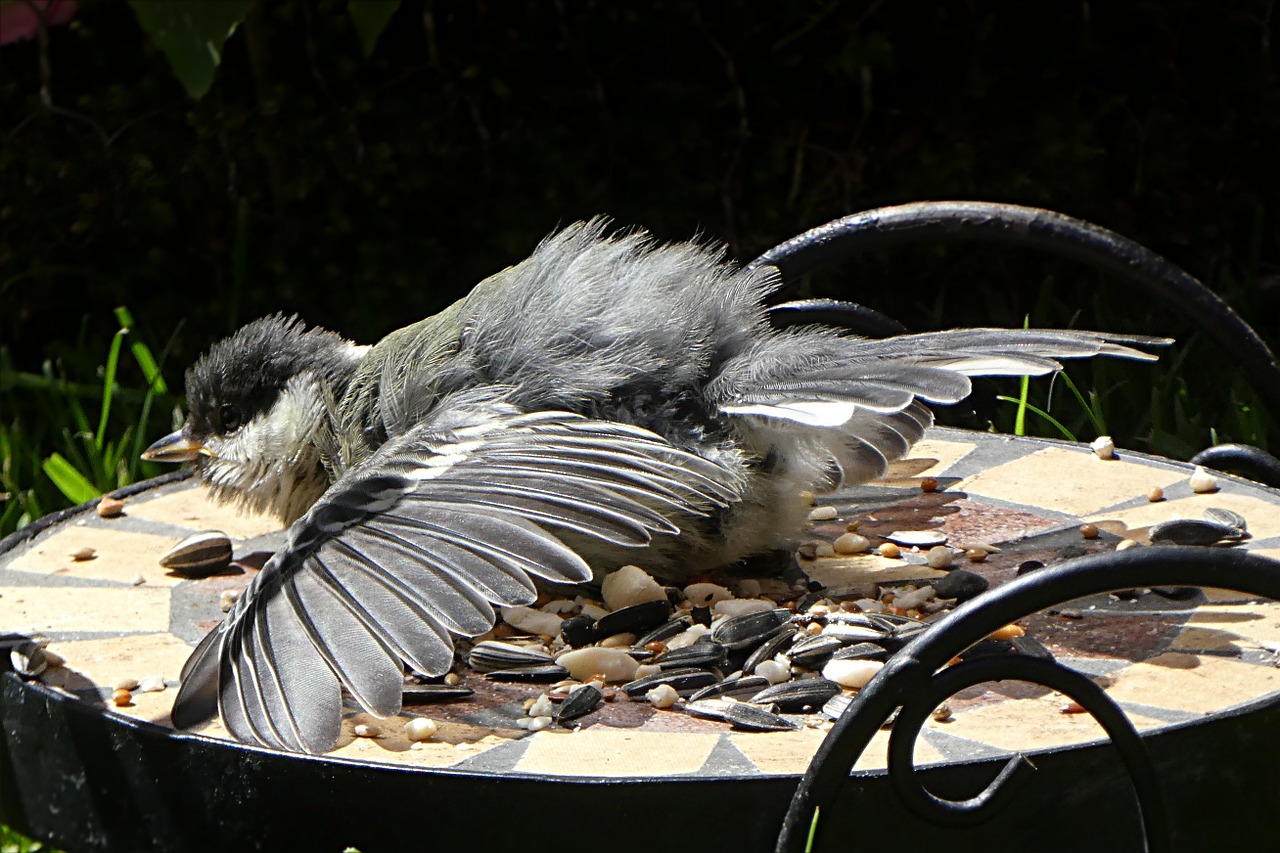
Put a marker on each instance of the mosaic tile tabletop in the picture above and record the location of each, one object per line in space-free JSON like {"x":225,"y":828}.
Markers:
{"x":1165,"y":660}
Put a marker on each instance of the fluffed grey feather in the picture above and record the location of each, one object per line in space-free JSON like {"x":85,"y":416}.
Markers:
{"x":606,"y":395}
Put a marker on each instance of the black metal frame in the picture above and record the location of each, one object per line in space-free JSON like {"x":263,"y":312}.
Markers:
{"x":915,"y":680}
{"x":1031,"y":228}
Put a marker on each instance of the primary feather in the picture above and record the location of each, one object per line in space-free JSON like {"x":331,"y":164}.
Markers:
{"x":606,"y":395}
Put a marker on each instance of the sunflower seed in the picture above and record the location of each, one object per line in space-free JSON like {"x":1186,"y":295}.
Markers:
{"x":491,"y":655}
{"x":744,"y":715}
{"x":770,"y":647}
{"x":704,"y":654}
{"x":812,"y":652}
{"x":740,"y":632}
{"x":540,"y":673}
{"x":735,"y":688}
{"x":583,"y":699}
{"x":686,"y":681}
{"x":665,"y":631}
{"x":635,"y":619}
{"x":199,"y":555}
{"x":421,"y":694}
{"x":798,"y":695}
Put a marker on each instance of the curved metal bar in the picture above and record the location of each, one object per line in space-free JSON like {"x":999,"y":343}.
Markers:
{"x":1244,"y":459}
{"x":909,"y":670}
{"x":978,"y":809}
{"x":1032,"y":227}
{"x":832,"y":312}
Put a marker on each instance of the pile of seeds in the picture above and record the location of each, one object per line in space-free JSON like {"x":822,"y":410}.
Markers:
{"x":760,"y":654}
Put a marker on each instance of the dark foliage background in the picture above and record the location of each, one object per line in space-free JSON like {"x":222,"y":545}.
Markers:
{"x":366,"y":193}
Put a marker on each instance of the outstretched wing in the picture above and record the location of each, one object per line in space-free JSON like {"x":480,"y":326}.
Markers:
{"x":864,"y":399}
{"x":416,"y":546}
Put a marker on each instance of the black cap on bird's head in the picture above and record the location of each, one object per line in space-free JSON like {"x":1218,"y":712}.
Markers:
{"x":242,"y":377}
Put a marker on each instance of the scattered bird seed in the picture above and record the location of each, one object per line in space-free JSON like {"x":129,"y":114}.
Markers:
{"x":365,"y":730}
{"x":890,"y":550}
{"x":1103,"y":447}
{"x":228,"y":598}
{"x":1126,"y":544}
{"x":199,"y":555}
{"x":939,"y":557}
{"x":121,"y":698}
{"x":1202,"y":482}
{"x":823,"y":513}
{"x":928,"y":484}
{"x":82,"y":554}
{"x":150,"y":684}
{"x":110,"y":507}
{"x":975,"y":555}
{"x":1089,"y":531}
{"x":1008,"y":632}
{"x":662,"y":696}
{"x":851,"y":543}
{"x":1155,"y":494}
{"x":420,"y":729}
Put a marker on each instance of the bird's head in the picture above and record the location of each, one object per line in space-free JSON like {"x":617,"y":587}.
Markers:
{"x":256,"y":403}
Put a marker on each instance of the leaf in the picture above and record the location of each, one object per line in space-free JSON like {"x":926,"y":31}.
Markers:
{"x":191,"y":34}
{"x":371,"y":18}
{"x":68,"y":480}
{"x":142,"y":355}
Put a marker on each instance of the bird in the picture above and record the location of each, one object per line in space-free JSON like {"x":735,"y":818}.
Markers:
{"x":611,"y":399}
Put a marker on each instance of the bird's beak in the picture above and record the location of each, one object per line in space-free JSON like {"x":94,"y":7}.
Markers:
{"x":175,"y":447}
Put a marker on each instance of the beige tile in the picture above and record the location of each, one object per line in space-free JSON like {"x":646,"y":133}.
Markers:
{"x":1065,"y":480}
{"x":863,"y":568}
{"x":791,"y":752}
{"x":928,"y":458}
{"x":105,"y":663}
{"x":453,"y":743}
{"x":1263,"y":517}
{"x":194,"y":508}
{"x":83,"y":608}
{"x":600,"y":751}
{"x":1026,"y":724}
{"x":119,"y":555}
{"x":1232,"y":627}
{"x":1196,"y":683}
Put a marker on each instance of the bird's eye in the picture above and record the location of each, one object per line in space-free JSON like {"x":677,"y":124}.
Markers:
{"x":231,"y":418}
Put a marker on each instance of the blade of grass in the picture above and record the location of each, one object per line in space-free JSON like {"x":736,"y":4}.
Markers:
{"x":1020,"y":419}
{"x":108,"y":385}
{"x":142,"y":354}
{"x":1091,"y":411}
{"x":68,"y":480}
{"x":1049,"y":419}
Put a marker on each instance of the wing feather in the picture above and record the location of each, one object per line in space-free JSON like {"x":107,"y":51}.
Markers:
{"x":417,"y":545}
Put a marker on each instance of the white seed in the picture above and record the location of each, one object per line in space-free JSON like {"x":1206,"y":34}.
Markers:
{"x":1126,"y":544}
{"x":738,"y":606}
{"x":908,"y":600}
{"x":1202,"y":482}
{"x":228,"y":598}
{"x":939,"y":557}
{"x":851,"y":673}
{"x":420,"y":729}
{"x":824,"y":549}
{"x":647,"y":669}
{"x":590,"y":608}
{"x":662,"y":696}
{"x":537,"y":724}
{"x":822,"y":513}
{"x":1103,"y":447}
{"x":614,"y":664}
{"x":541,"y":707}
{"x":453,"y":679}
{"x":851,"y":543}
{"x":706,"y":594}
{"x":560,"y":606}
{"x":364,"y":730}
{"x":749,"y":588}
{"x":150,"y":684}
{"x":630,"y":585}
{"x":127,"y":684}
{"x":81,"y":554}
{"x":139,"y":580}
{"x":690,"y":636}
{"x":773,"y":670}
{"x":531,"y":621}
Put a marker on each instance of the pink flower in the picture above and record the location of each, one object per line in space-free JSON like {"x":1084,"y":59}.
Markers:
{"x":19,"y":20}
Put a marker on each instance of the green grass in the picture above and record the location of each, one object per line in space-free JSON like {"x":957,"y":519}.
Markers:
{"x":12,"y":842}
{"x":77,"y":428}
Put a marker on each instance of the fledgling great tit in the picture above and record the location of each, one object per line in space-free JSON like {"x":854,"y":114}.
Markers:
{"x":607,"y":401}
